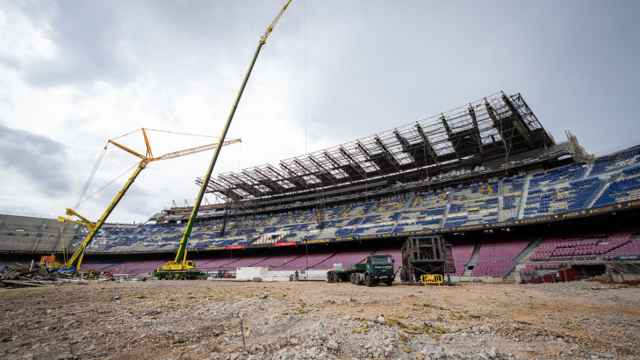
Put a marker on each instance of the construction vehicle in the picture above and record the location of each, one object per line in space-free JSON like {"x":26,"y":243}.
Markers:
{"x":180,"y":267}
{"x":179,"y":271}
{"x":50,"y":263}
{"x":373,"y":270}
{"x":72,"y":265}
{"x":425,"y":260}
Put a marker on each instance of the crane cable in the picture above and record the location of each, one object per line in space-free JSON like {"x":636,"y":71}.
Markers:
{"x":83,"y":195}
{"x":163,"y":131}
{"x":180,"y":133}
{"x":95,"y":169}
{"x":105,"y":186}
{"x":125,"y":134}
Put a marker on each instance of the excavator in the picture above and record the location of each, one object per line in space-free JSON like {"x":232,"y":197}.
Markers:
{"x":181,"y":268}
{"x":72,"y":265}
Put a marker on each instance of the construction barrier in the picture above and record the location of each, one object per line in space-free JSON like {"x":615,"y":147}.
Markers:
{"x":432,"y":279}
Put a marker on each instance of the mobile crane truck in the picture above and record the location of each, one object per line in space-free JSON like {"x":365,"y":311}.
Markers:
{"x":181,"y":268}
{"x":375,"y":269}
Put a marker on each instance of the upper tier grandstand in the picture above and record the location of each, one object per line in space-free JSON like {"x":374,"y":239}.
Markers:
{"x":609,"y":183}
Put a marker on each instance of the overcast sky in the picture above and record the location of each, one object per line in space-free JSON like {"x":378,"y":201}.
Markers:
{"x":75,"y":73}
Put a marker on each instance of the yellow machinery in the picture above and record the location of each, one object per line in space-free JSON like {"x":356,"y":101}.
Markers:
{"x":432,"y":279}
{"x":50,"y":263}
{"x":181,"y":268}
{"x":73,"y":264}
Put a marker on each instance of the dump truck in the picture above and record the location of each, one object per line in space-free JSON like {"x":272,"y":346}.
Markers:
{"x":375,"y":269}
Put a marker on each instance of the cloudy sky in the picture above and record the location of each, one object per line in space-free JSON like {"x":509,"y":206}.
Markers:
{"x":75,"y":73}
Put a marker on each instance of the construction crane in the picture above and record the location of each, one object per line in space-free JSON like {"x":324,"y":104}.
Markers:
{"x":180,"y":267}
{"x":73,"y":264}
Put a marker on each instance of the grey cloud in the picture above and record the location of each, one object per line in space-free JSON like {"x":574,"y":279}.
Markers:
{"x":137,"y":201}
{"x":88,"y":40}
{"x":367,"y":66}
{"x":37,"y":158}
{"x":575,"y":64}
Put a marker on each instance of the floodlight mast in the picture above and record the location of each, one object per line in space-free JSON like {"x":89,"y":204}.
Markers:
{"x":180,"y":264}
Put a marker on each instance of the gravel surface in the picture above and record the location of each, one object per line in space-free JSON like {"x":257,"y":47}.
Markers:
{"x":202,"y":320}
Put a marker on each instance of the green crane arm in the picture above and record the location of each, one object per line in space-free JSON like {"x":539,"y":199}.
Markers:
{"x":181,"y":254}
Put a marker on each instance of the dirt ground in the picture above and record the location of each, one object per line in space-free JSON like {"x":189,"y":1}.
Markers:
{"x":314,"y":320}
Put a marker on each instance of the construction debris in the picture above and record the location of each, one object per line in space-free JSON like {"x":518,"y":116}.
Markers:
{"x":16,"y":276}
{"x":23,"y":276}
{"x":303,"y":320}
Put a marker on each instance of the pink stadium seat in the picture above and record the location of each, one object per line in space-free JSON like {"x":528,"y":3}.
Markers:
{"x":559,"y":248}
{"x":497,"y":259}
{"x":276,"y":262}
{"x":461,"y":255}
{"x":130,"y":267}
{"x":345,"y":258}
{"x":301,"y":262}
{"x":630,"y":249}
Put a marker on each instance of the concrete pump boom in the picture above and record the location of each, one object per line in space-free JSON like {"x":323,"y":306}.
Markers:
{"x":180,"y":264}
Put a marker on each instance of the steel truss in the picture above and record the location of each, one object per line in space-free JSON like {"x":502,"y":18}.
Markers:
{"x":495,"y":127}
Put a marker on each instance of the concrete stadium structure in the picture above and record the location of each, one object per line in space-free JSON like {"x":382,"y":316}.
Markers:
{"x":488,"y":176}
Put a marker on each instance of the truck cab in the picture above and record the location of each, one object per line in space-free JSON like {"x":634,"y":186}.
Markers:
{"x":370,"y":271}
{"x":379,"y":268}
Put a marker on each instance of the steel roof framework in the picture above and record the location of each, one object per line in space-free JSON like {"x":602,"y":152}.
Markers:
{"x":493,"y":127}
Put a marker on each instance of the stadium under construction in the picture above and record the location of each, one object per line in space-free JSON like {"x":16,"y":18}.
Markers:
{"x":511,"y":201}
{"x":476,"y":235}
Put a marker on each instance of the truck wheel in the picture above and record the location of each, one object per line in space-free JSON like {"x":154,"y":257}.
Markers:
{"x":389,"y":282}
{"x":367,"y":281}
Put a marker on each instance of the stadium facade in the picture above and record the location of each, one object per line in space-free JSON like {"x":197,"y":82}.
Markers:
{"x":487,"y":176}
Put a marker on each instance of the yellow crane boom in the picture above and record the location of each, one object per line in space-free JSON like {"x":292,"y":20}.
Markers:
{"x":75,"y":261}
{"x":180,"y":265}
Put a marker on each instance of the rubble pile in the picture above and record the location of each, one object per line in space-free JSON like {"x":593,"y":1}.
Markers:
{"x":24,"y":276}
{"x":18,"y":276}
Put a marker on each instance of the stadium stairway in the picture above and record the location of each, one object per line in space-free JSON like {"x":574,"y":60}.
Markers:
{"x":446,"y":212}
{"x":500,"y":202}
{"x":524,"y":256}
{"x":587,"y":171}
{"x":461,"y":254}
{"x":598,"y":194}
{"x":473,"y":261}
{"x":525,"y":195}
